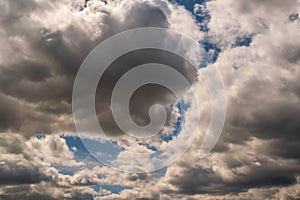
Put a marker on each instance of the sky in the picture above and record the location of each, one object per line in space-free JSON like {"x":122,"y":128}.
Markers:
{"x":254,"y":44}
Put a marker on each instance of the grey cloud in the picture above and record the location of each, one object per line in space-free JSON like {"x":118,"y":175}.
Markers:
{"x":243,"y":172}
{"x":16,"y":116}
{"x":36,"y":78}
{"x":145,"y":96}
{"x":262,"y":105}
{"x":21,"y":175}
{"x":293,"y":17}
{"x":47,"y":77}
{"x":140,"y":176}
{"x":27,"y":170}
{"x":43,"y":191}
{"x":268,"y":110}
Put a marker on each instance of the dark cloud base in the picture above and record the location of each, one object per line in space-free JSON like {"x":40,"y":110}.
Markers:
{"x":257,"y":156}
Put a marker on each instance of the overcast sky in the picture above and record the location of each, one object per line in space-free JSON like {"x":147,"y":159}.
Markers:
{"x":254,"y":44}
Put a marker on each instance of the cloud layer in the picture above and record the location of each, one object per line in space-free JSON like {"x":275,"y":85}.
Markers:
{"x":43,"y":45}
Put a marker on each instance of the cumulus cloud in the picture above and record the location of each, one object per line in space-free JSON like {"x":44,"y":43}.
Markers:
{"x":28,"y":169}
{"x":46,"y":43}
{"x":258,"y":147}
{"x":43,"y":45}
{"x":29,"y":160}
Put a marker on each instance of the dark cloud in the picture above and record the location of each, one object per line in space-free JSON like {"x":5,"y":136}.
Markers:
{"x":268,"y":110}
{"x":16,"y":116}
{"x":245,"y":175}
{"x":135,"y":177}
{"x":21,"y":175}
{"x":27,"y":192}
{"x":145,"y":96}
{"x":40,"y":61}
{"x":28,"y":169}
{"x":293,"y":17}
{"x":53,"y":57}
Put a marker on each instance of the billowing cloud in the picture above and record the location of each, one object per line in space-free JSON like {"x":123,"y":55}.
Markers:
{"x":42,"y":46}
{"x":44,"y":53}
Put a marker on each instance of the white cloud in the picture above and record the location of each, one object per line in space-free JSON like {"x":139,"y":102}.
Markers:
{"x":261,"y":82}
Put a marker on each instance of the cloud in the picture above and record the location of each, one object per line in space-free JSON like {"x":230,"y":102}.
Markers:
{"x":29,"y":160}
{"x":44,"y":53}
{"x":43,"y":45}
{"x":257,"y":155}
{"x":31,"y":169}
{"x":262,"y":118}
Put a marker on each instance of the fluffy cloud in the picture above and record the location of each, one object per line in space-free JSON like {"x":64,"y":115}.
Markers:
{"x":29,"y":160}
{"x":28,"y":169}
{"x":43,"y":45}
{"x":258,"y":145}
{"x":258,"y":148}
